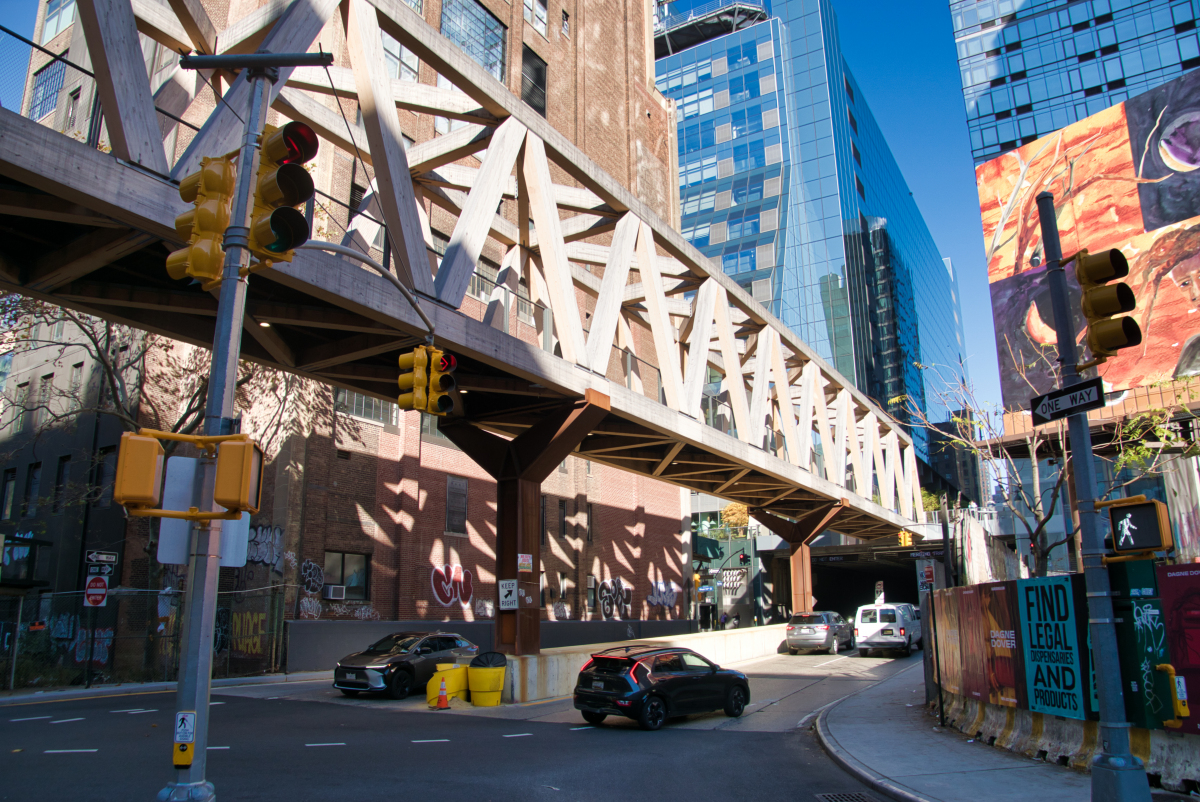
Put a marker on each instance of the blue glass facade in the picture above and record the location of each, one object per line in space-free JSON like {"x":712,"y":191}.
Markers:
{"x":1031,"y":67}
{"x":807,"y":209}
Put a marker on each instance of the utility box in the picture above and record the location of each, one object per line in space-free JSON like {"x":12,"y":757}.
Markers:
{"x":1141,"y":643}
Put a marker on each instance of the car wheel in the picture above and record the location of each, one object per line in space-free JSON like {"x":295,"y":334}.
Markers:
{"x":792,"y":651}
{"x":594,"y":718}
{"x":654,"y":713}
{"x":834,"y":648}
{"x":735,"y":701}
{"x":907,"y":650}
{"x":401,"y":684}
{"x":347,"y":692}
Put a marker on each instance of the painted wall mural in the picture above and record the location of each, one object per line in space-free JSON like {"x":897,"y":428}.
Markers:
{"x":616,"y":598}
{"x":452,"y":583}
{"x":1123,"y":178}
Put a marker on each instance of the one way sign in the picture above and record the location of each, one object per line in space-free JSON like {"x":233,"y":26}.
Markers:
{"x":1060,"y":403}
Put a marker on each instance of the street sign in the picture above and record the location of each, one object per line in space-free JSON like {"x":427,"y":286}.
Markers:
{"x":525,"y":563}
{"x":102,"y":570}
{"x":1061,"y":403}
{"x":95,"y":591}
{"x":879,"y":592}
{"x":109,"y":557}
{"x":508,"y":594}
{"x":185,"y":727}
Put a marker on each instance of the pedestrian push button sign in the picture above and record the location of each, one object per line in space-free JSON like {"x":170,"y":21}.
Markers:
{"x":1140,"y":527}
{"x":185,"y":738}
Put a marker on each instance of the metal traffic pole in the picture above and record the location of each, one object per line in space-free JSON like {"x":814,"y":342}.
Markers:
{"x":1117,"y":776}
{"x":200,"y":602}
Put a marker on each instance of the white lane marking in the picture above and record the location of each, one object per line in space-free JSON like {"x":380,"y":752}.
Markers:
{"x":135,"y":712}
{"x":128,"y":710}
{"x":67,"y":751}
{"x":336,"y":744}
{"x":517,"y":735}
{"x":834,"y":660}
{"x":65,"y":720}
{"x":210,"y":704}
{"x":433,"y":741}
{"x":574,"y":729}
{"x":218,"y":747}
{"x":31,"y":718}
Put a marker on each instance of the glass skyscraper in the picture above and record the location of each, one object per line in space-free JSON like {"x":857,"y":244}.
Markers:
{"x":1030,"y":67}
{"x":787,"y":182}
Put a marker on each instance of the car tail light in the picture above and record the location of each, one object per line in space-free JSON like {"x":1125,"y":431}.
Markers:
{"x":822,"y":626}
{"x":587,"y":665}
{"x":624,"y":702}
{"x":901,"y":630}
{"x":790,"y":628}
{"x":856,"y":632}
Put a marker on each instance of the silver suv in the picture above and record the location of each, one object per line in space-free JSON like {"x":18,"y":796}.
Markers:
{"x":819,"y":630}
{"x":400,"y":663}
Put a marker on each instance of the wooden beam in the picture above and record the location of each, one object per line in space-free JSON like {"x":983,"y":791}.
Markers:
{"x":47,"y":207}
{"x":458,"y":176}
{"x":470,"y":232}
{"x":82,"y":256}
{"x":122,"y":81}
{"x":735,"y":381}
{"x":699,"y":341}
{"x":409,"y":95}
{"x":433,"y":153}
{"x":349,"y":349}
{"x":156,"y":20}
{"x":245,"y":35}
{"x":668,"y":458}
{"x":660,"y":324}
{"x":365,"y":44}
{"x":195,"y":21}
{"x":454,"y":202}
{"x":329,"y":125}
{"x":783,"y":398}
{"x":270,"y":340}
{"x":608,"y":302}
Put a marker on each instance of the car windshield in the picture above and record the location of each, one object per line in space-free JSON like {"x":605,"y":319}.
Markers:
{"x":400,"y":644}
{"x":815,"y":618}
{"x":868,"y":616}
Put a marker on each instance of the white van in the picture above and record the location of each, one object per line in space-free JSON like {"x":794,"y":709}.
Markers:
{"x":887,"y":626}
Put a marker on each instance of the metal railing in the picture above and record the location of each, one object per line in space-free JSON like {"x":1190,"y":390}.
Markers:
{"x":673,"y":20}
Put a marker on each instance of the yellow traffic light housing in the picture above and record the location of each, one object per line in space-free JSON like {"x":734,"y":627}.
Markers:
{"x":441,"y":381}
{"x":1101,"y":301}
{"x":276,"y":227}
{"x":139,"y":471}
{"x":415,"y":380}
{"x":238,"y":486}
{"x":211,"y":190}
{"x":906,"y":539}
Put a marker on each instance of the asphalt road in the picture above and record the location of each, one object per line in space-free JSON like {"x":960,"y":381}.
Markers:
{"x":305,"y":741}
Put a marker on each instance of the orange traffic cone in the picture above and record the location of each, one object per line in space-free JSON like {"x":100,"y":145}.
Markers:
{"x":443,"y":702}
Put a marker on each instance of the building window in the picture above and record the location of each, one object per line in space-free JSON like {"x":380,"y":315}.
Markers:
{"x":853,"y":122}
{"x":8,"y":493}
{"x":562,"y":517}
{"x":60,"y":328}
{"x":473,"y":28}
{"x":46,"y":83}
{"x":858,"y":184}
{"x":590,"y":525}
{"x":849,"y":89}
{"x":456,"y":505}
{"x":356,"y":199}
{"x":566,"y":29}
{"x":33,"y":489}
{"x":72,"y":111}
{"x":364,"y":406}
{"x":535,"y":14}
{"x":857,"y":155}
{"x":21,"y":402}
{"x":349,"y":570}
{"x":61,"y":475}
{"x":588,"y":464}
{"x":402,"y":63}
{"x":59,"y":14}
{"x":106,"y":472}
{"x":543,"y":519}
{"x":542,"y":589}
{"x":429,"y":427}
{"x":562,"y":467}
{"x":591,"y":593}
{"x":533,"y":81}
{"x":42,"y":412}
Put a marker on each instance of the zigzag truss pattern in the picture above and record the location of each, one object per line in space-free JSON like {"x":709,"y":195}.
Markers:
{"x":795,"y":436}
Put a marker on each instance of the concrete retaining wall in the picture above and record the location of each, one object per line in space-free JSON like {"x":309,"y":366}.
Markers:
{"x":317,"y":645}
{"x":1173,"y":757}
{"x":553,"y":672}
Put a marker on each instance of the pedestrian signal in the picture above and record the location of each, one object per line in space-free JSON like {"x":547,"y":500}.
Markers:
{"x":211,"y":191}
{"x":1140,"y":527}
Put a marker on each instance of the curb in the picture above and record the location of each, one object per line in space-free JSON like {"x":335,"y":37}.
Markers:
{"x":867,"y":775}
{"x":136,"y":689}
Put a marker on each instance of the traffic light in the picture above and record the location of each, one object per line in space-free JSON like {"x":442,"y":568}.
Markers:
{"x":211,"y":190}
{"x":282,"y":183}
{"x":238,"y":486}
{"x":413,"y":379}
{"x":906,"y":538}
{"x":1106,"y":334}
{"x":1140,"y":526}
{"x":441,"y":381}
{"x":744,"y":559}
{"x":138,"y":482}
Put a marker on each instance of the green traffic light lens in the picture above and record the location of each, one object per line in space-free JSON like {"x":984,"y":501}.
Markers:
{"x":288,"y":228}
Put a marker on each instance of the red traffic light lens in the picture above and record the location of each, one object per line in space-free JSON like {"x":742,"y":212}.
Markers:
{"x":301,"y":141}
{"x":447,"y":363}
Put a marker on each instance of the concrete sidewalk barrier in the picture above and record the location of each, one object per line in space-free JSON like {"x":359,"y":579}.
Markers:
{"x":553,"y":672}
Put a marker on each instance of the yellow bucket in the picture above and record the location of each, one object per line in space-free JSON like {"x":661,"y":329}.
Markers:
{"x":456,"y":683}
{"x":486,"y":685}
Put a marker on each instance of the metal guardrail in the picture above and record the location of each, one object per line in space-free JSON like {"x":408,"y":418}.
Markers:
{"x":667,"y":23}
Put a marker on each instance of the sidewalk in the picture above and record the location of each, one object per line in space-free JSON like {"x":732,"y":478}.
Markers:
{"x":23,"y":697}
{"x":885,"y":736}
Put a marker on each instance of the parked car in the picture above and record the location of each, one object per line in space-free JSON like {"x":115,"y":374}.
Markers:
{"x":400,"y":663}
{"x":879,"y":627}
{"x":650,"y":684}
{"x":819,"y":630}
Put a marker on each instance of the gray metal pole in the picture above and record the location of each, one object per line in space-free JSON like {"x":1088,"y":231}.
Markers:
{"x":195,"y":675}
{"x":1117,"y":776}
{"x":12,"y":670}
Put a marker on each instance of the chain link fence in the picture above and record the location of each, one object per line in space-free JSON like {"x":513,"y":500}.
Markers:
{"x":52,"y":641}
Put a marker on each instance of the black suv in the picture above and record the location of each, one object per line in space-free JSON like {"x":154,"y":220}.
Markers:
{"x":650,"y":684}
{"x":399,"y":663}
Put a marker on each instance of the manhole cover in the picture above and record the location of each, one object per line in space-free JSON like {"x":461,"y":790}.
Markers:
{"x":843,"y":796}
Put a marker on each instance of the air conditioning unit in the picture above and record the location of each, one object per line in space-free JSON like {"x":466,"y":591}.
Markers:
{"x":336,"y":592}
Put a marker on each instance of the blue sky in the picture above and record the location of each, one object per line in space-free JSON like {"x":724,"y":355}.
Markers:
{"x":904,"y":59}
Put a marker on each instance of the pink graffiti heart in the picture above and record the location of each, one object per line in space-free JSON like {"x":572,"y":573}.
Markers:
{"x":451,"y":583}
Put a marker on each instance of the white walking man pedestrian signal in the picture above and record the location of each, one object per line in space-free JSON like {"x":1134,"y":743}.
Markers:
{"x":1126,"y":529}
{"x":1139,"y":526}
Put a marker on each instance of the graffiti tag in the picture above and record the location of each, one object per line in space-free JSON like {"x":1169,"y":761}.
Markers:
{"x":313,"y":577}
{"x":615,"y":598}
{"x":484,"y":608}
{"x":562,"y":611}
{"x":221,"y":632}
{"x":310,"y":607}
{"x":452,"y":583}
{"x":265,"y":547}
{"x":662,"y":595}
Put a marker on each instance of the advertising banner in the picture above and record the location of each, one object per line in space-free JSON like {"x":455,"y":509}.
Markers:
{"x":1052,"y":649}
{"x":1123,"y":178}
{"x":1004,"y":667}
{"x":973,"y":637}
{"x":949,"y":652}
{"x":1179,"y":590}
